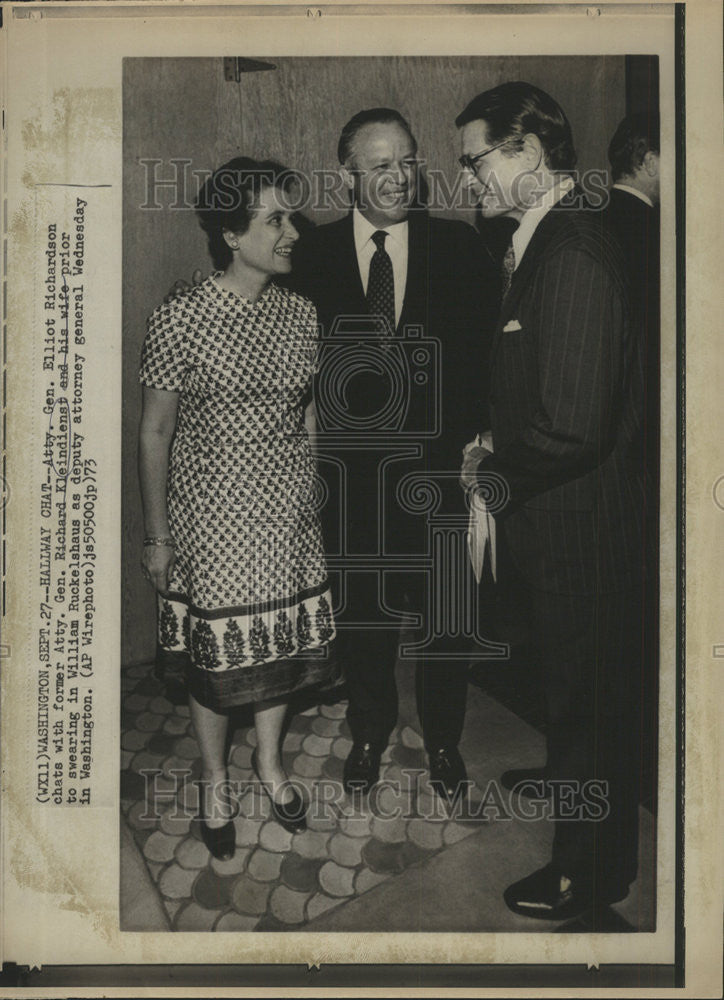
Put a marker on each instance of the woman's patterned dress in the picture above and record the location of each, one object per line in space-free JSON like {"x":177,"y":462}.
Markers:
{"x":249,"y":598}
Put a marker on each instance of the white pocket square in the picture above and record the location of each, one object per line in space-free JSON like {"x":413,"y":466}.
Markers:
{"x":512,"y":326}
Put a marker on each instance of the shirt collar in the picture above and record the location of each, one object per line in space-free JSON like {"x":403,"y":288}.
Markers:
{"x":635,"y":192}
{"x":533,"y":217}
{"x":364,"y":230}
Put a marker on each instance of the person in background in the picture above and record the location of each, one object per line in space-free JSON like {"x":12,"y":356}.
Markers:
{"x":633,"y":213}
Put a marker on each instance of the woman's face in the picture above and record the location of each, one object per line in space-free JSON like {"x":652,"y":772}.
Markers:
{"x":266,"y":246}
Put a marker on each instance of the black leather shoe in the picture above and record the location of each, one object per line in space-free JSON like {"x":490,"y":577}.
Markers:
{"x":220,"y":841}
{"x":549,"y":895}
{"x":448,"y":775}
{"x":527,"y":781}
{"x":361,"y":769}
{"x":290,"y":815}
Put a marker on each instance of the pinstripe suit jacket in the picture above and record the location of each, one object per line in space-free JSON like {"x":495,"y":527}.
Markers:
{"x":567,"y":410}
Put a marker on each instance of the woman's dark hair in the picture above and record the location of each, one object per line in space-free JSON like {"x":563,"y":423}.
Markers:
{"x":514,"y":110}
{"x":228,"y":200}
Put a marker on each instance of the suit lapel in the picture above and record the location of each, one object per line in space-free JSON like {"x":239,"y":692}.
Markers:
{"x":417,"y":269}
{"x":350,"y":288}
{"x":416,"y":291}
{"x":535,"y":250}
{"x":509,"y":307}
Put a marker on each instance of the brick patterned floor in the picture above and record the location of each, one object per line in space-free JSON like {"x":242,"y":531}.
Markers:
{"x":276,"y":881}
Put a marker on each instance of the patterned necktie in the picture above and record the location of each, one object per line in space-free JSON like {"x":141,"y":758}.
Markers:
{"x":508,"y":268}
{"x":381,"y":285}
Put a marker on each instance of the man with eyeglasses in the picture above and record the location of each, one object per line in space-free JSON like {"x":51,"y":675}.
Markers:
{"x":566,"y":409}
{"x":409,"y":277}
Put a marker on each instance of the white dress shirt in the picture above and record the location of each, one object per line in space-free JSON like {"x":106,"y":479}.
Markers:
{"x":535,"y":215}
{"x":396,"y":247}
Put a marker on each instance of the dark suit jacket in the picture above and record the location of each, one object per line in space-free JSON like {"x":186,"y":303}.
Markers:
{"x":449,"y":297}
{"x":566,"y":411}
{"x":637,"y":227}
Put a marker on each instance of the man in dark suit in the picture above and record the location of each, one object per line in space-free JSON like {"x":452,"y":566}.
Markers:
{"x":633,"y":214}
{"x":634,"y":198}
{"x":566,"y":406}
{"x":394,"y":407}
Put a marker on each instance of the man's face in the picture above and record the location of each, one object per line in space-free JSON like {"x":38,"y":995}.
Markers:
{"x":382,"y":173}
{"x":651,"y":167}
{"x":499,"y":180}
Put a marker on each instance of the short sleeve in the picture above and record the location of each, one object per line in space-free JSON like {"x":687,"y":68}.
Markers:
{"x":164,"y":355}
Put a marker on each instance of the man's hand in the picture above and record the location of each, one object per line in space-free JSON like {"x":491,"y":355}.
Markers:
{"x":157,"y":564}
{"x":471,"y":461}
{"x":182,"y":287}
{"x":473,"y":454}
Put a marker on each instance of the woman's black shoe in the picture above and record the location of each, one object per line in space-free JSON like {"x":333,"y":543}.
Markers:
{"x":290,"y":815}
{"x":220,"y":841}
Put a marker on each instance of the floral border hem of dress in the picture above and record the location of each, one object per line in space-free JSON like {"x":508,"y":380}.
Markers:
{"x":276,"y":679}
{"x":246,"y":635}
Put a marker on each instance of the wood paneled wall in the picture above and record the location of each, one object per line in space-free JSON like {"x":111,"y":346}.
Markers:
{"x":183,"y":109}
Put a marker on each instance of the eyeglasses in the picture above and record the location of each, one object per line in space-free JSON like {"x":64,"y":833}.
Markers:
{"x":470,"y":163}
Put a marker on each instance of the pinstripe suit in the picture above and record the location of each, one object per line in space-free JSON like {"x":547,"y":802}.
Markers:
{"x":566,"y":412}
{"x":566,"y":397}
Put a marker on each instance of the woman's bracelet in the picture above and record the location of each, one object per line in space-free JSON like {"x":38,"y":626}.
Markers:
{"x":159,"y":540}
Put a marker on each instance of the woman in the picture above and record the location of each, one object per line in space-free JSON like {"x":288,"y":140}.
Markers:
{"x":233,"y":542}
